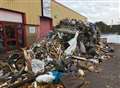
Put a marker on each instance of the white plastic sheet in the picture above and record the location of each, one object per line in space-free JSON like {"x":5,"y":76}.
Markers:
{"x":48,"y":78}
{"x":82,"y":48}
{"x":73,"y":44}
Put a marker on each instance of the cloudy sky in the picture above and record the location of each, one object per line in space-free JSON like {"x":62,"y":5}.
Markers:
{"x":96,"y":10}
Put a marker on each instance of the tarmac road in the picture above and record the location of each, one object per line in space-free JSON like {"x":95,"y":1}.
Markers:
{"x":109,"y":77}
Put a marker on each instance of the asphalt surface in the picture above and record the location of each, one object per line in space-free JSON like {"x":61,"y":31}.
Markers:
{"x":109,"y":77}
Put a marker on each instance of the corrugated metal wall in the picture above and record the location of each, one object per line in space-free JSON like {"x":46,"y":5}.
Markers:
{"x":32,"y":8}
{"x":60,"y":12}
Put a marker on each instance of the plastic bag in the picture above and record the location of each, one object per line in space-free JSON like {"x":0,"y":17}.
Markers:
{"x":73,"y":44}
{"x":37,"y":66}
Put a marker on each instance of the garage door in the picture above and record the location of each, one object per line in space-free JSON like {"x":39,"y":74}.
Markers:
{"x":10,"y":16}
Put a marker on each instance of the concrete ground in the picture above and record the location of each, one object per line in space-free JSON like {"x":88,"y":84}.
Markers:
{"x":109,"y":77}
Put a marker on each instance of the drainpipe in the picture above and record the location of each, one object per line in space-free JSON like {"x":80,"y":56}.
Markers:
{"x":42,"y":7}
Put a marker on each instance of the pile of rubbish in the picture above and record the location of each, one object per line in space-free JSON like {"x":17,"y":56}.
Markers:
{"x":62,"y":58}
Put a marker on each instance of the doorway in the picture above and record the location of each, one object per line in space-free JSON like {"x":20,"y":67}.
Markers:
{"x":11,"y":36}
{"x":45,"y":26}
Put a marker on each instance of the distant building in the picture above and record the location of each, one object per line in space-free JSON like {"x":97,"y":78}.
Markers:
{"x":60,"y":12}
{"x":23,"y":22}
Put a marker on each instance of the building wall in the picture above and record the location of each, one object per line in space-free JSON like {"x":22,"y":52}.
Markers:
{"x":32,"y":11}
{"x":60,"y":12}
{"x":31,"y":8}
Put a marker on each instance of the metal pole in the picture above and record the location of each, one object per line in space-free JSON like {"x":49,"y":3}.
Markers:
{"x":42,"y":7}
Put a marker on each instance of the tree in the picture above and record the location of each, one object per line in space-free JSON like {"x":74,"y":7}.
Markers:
{"x":104,"y":28}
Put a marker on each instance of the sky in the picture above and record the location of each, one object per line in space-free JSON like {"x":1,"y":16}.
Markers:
{"x":107,"y":11}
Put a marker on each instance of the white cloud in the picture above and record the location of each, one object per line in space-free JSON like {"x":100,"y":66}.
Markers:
{"x":96,"y":10}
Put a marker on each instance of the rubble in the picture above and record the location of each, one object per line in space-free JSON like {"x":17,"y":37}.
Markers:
{"x":72,"y":48}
